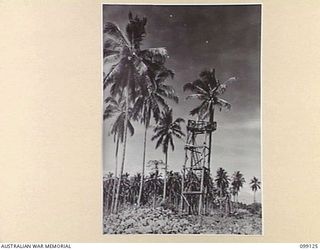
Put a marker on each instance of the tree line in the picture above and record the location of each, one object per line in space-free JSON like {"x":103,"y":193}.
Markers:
{"x":221,"y":189}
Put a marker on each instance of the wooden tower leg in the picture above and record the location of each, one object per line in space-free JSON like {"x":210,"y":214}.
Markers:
{"x":202,"y":181}
{"x":201,"y":192}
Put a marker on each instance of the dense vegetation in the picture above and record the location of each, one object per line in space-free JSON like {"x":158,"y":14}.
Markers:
{"x":220,"y":191}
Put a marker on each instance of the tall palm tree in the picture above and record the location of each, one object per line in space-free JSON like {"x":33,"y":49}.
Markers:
{"x":166,"y":129}
{"x":115,"y":108}
{"x":149,"y":104}
{"x":255,"y":185}
{"x":125,"y":67}
{"x":208,"y":89}
{"x":237,"y":182}
{"x":222,"y":181}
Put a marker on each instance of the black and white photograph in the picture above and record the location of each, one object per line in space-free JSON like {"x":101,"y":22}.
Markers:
{"x":182,"y":119}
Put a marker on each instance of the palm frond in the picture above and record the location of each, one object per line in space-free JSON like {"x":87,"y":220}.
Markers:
{"x":161,"y":101}
{"x":114,"y":72}
{"x":198,"y":96}
{"x":137,"y":108}
{"x":130,"y":128}
{"x":178,"y":120}
{"x":140,"y":66}
{"x":223,"y":104}
{"x":136,"y":30}
{"x":164,"y":74}
{"x":111,"y":59}
{"x":209,"y":78}
{"x":155,"y":55}
{"x":159,"y":142}
{"x":168,"y":92}
{"x":200,"y":110}
{"x":112,"y":31}
{"x":193,"y":86}
{"x":171,"y":143}
{"x":165,"y":143}
{"x":223,"y":86}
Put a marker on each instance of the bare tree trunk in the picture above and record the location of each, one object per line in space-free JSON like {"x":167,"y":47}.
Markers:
{"x":165,"y":177}
{"x":155,"y":189}
{"x":143,"y":165}
{"x":115,"y":177}
{"x":124,"y":148}
{"x":169,"y":196}
{"x":206,"y":200}
{"x":230,"y":204}
{"x":106,"y":199}
{"x":237,"y":200}
{"x":211,"y":119}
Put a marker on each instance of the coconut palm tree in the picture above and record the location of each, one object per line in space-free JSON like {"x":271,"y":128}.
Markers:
{"x":208,"y":90}
{"x":255,"y":185}
{"x":237,"y":183}
{"x":149,"y":104}
{"x":222,"y":181}
{"x":115,"y":109}
{"x":165,"y":131}
{"x":125,"y":67}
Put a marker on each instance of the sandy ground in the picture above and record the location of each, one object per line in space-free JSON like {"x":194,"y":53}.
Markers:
{"x":162,"y":221}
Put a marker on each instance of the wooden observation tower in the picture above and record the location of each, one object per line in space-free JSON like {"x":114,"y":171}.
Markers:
{"x":196,"y":165}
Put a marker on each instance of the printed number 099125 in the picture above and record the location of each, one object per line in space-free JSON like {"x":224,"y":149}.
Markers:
{"x":309,"y":246}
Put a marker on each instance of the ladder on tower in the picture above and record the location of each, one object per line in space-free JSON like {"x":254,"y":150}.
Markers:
{"x":196,"y":164}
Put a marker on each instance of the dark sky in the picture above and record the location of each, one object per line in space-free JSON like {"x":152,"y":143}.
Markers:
{"x":224,"y":37}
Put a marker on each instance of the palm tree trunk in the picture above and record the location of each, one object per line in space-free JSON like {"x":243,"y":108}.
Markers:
{"x":115,"y":177}
{"x":143,"y":165}
{"x":237,"y":200}
{"x":155,"y":189}
{"x":106,"y":201}
{"x":165,"y":177}
{"x":254,"y":196}
{"x":154,"y":199}
{"x":211,"y":119}
{"x":124,"y":148}
{"x":230,"y":204}
{"x":220,"y":199}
